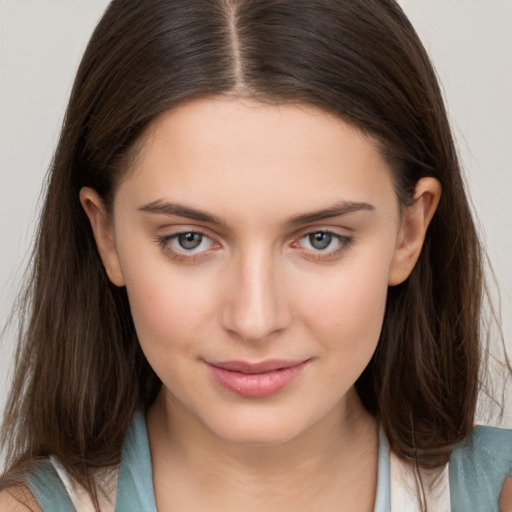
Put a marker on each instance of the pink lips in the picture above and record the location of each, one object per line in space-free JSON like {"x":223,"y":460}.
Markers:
{"x":255,"y":380}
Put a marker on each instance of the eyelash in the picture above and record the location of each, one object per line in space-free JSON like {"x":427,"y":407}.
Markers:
{"x":184,"y":255}
{"x":343,"y":244}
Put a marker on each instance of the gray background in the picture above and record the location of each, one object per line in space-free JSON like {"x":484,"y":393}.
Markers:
{"x":41,"y":43}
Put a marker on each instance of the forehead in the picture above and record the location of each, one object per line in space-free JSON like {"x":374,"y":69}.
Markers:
{"x":218,"y":151}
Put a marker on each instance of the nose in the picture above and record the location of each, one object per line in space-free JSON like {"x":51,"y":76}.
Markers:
{"x":256,"y":307}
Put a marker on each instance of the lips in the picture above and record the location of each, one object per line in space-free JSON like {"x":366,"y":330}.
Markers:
{"x":255,"y":380}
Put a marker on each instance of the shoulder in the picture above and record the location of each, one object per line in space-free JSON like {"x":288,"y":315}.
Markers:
{"x":57,"y":491}
{"x":478,"y":469}
{"x":18,"y":499}
{"x":487,"y":447}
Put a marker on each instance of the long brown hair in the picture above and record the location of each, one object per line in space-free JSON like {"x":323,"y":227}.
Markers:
{"x":80,"y":373}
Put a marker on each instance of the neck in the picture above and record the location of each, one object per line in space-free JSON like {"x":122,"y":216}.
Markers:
{"x":330,"y":453}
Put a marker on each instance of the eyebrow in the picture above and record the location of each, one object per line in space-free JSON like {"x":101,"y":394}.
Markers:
{"x":337,"y":210}
{"x":167,"y":208}
{"x":181,"y":210}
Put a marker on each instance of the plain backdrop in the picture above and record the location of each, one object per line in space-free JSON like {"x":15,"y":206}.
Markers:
{"x":41,"y":42}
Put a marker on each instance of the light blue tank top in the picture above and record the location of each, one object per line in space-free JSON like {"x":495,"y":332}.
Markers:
{"x":477,"y":470}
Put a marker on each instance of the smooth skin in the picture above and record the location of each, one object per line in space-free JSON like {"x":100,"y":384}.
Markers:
{"x":253,"y":232}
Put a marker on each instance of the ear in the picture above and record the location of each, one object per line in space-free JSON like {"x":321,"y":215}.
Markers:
{"x":415,"y":220}
{"x":102,"y":231}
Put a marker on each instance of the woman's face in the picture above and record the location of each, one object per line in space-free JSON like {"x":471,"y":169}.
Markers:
{"x":256,"y":244}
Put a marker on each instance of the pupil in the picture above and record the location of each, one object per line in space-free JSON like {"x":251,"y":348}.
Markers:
{"x":320,"y":240}
{"x":190,"y":240}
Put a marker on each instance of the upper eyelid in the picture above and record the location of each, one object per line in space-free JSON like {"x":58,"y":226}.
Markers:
{"x":174,"y":236}
{"x":215,"y":233}
{"x":171,"y":232}
{"x":342,"y":231}
{"x":330,"y":231}
{"x":338,"y":236}
{"x":316,"y":227}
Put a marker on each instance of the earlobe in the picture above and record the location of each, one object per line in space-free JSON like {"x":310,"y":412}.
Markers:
{"x":102,"y":231}
{"x":415,"y":221}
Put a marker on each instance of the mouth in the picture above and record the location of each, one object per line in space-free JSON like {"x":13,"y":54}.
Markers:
{"x":255,"y":380}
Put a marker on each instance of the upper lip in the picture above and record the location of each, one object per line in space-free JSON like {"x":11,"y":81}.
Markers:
{"x":261,"y":367}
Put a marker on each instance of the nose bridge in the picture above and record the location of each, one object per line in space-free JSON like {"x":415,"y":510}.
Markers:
{"x":256,"y":306}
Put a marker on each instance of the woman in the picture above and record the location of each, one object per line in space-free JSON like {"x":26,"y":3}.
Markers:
{"x":265,"y":279}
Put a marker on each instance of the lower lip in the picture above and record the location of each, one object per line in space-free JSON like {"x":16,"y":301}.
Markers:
{"x":256,"y":385}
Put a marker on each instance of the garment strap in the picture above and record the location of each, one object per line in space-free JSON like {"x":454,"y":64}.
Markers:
{"x":79,"y":496}
{"x":405,"y":492}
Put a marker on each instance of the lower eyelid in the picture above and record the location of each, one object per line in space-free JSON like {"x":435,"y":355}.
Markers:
{"x":182,"y":255}
{"x":334,"y":254}
{"x":343,"y":244}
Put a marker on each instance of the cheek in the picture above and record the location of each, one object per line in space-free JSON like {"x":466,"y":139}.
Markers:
{"x":168,"y":309}
{"x":348,"y":310}
{"x":346,"y":322}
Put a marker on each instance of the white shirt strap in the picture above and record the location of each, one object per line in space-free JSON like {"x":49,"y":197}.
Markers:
{"x":405,"y":493}
{"x":79,"y":496}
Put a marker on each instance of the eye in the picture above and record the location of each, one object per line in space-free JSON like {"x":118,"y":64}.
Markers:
{"x":187,"y":245}
{"x":320,"y":240}
{"x":189,"y":241}
{"x":322,"y":244}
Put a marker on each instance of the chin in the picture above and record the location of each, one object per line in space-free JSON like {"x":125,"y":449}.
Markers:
{"x":260,"y":439}
{"x":258,"y":432}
